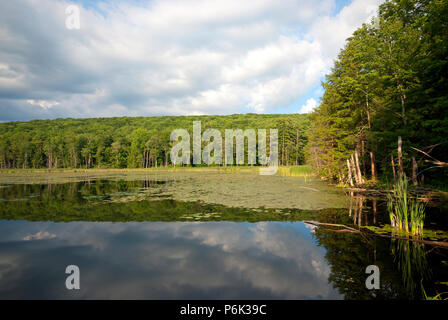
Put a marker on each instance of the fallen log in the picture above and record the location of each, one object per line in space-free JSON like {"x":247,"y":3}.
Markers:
{"x":333,"y":225}
{"x":443,"y":244}
{"x":423,"y":194}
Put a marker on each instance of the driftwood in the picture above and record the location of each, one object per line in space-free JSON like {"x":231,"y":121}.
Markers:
{"x":423,"y":194}
{"x":345,"y":228}
{"x":428,"y":242}
{"x":348,"y":229}
{"x":433,"y":160}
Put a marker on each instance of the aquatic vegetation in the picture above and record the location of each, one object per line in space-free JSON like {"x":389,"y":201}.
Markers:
{"x":411,"y":261}
{"x":229,"y":186}
{"x":201,"y":216}
{"x":406,"y":214}
{"x":296,"y":171}
{"x":438,"y":296}
{"x":434,"y":235}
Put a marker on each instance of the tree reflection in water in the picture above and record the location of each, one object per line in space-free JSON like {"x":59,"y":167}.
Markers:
{"x":403,"y":264}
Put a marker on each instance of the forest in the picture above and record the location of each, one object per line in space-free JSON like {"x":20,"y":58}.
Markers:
{"x":388,"y":87}
{"x":389,"y":81}
{"x":141,"y":142}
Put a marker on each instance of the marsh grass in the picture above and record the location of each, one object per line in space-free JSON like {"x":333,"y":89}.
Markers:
{"x":412,"y":264}
{"x":438,"y":296}
{"x":406,"y":214}
{"x":296,"y":171}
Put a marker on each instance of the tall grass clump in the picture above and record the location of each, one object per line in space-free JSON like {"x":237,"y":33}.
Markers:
{"x":406,"y":214}
{"x":296,"y":171}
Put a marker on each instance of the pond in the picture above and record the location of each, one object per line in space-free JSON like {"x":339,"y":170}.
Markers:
{"x":204,"y":236}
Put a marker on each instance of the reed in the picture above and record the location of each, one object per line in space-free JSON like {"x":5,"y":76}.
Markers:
{"x":296,"y":171}
{"x":406,"y":214}
{"x":412,"y":263}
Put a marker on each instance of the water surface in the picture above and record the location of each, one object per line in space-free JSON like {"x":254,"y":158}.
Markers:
{"x":133,"y":239}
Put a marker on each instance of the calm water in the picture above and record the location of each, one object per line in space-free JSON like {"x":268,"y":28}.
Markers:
{"x":129,"y":242}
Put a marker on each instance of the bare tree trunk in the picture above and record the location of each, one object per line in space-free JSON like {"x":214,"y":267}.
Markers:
{"x":393,"y":168}
{"x":400,"y":158}
{"x":414,"y":172}
{"x":351,"y":204}
{"x":363,"y":162}
{"x":372,"y":165}
{"x":374,"y":211}
{"x":358,"y":169}
{"x":352,"y":162}
{"x":350,"y":178}
{"x":368,"y":109}
{"x":403,"y":109}
{"x":360,"y":205}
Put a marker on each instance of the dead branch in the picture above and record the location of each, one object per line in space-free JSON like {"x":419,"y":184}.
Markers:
{"x":443,"y":244}
{"x":434,"y":161}
{"x":333,"y":225}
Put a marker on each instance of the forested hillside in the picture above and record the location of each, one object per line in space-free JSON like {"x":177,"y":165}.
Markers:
{"x":390,"y":80}
{"x":130,"y":142}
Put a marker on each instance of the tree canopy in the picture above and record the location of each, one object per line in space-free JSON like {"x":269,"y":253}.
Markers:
{"x":140,"y":142}
{"x":389,"y":80}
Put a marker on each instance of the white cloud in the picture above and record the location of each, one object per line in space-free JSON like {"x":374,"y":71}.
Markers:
{"x":42,"y":103}
{"x":332,"y":31}
{"x":41,"y":235}
{"x":309,"y":106}
{"x":167,"y":57}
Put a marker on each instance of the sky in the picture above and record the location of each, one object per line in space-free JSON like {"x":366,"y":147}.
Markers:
{"x":169,"y":57}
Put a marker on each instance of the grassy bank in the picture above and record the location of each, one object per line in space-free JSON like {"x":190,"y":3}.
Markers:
{"x":287,"y":171}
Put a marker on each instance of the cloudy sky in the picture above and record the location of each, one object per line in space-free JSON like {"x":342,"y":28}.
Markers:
{"x":170,"y":57}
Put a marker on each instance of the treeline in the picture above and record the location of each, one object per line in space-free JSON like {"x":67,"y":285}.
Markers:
{"x":389,"y":81}
{"x":124,"y":142}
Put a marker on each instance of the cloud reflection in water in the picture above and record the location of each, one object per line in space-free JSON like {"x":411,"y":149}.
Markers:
{"x":176,"y":260}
